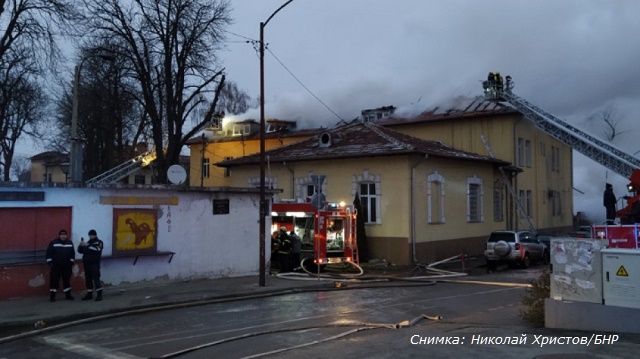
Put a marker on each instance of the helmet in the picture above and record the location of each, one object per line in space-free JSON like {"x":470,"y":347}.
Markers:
{"x":283,"y":229}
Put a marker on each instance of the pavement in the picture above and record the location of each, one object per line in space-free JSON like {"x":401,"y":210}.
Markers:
{"x":26,"y":314}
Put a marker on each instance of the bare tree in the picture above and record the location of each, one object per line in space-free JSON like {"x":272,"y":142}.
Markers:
{"x":609,"y":122}
{"x":27,"y":49}
{"x":108,"y":113}
{"x":170,"y":46}
{"x":21,"y":168}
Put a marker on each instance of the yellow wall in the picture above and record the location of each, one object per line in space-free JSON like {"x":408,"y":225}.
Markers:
{"x":391,"y":238}
{"x":501,"y":133}
{"x":218,"y":151}
{"x":38,"y":170}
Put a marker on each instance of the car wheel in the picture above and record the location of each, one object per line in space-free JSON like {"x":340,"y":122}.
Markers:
{"x":546,"y":258}
{"x":491,"y":266}
{"x":502,"y":248}
{"x":526,"y":261}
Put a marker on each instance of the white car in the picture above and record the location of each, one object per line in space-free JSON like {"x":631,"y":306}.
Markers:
{"x":515,"y":247}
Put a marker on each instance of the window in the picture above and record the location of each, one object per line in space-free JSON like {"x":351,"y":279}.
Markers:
{"x":227,"y":170}
{"x":526,"y":201}
{"x":524,"y":152}
{"x":139,"y":179}
{"x":435,"y":198}
{"x":555,"y":159}
{"x":367,"y":187}
{"x":369,"y":201}
{"x":242,"y":129}
{"x":305,"y":188}
{"x":205,"y":168}
{"x":474,"y":200}
{"x":498,"y":202}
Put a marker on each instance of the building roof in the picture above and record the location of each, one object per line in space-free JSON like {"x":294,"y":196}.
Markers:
{"x":458,"y":107}
{"x":51,"y":157}
{"x":256,"y":136}
{"x":358,"y":140}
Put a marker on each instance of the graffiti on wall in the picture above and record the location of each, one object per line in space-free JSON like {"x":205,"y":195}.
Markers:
{"x":134,"y":230}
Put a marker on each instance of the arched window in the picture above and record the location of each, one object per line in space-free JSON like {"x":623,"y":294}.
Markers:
{"x":368,"y":188}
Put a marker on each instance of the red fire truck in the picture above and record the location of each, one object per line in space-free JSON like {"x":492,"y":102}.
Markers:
{"x":328,"y":234}
{"x":627,"y":233}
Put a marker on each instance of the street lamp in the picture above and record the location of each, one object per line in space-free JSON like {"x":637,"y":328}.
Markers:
{"x":76,"y":142}
{"x":263,"y":203}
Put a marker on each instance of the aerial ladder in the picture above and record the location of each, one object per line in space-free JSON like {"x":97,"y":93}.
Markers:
{"x":590,"y":146}
{"x":117,"y":173}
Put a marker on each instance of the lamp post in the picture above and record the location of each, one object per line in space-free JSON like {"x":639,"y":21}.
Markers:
{"x":76,"y":142}
{"x":263,"y":202}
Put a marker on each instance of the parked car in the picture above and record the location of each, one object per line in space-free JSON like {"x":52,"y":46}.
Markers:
{"x":515,"y":247}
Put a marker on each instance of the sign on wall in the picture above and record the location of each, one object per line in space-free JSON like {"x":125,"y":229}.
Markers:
{"x":134,"y":230}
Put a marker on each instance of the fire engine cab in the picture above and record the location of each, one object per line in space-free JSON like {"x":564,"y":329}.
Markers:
{"x":328,"y":234}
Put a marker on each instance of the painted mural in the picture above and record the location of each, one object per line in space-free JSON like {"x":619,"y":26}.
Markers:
{"x":134,"y":230}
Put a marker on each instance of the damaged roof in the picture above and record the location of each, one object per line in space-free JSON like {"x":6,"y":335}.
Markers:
{"x":358,"y":140}
{"x":458,"y":107}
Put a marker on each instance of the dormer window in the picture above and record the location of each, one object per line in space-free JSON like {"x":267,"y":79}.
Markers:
{"x":242,"y":129}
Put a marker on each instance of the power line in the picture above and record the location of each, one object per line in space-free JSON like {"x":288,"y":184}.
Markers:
{"x":305,"y":87}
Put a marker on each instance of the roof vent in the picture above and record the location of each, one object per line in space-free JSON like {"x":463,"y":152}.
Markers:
{"x":325,"y":139}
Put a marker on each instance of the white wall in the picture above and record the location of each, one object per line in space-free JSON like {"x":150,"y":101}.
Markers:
{"x":205,"y":245}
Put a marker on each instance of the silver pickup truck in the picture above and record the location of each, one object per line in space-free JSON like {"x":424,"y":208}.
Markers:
{"x":515,"y":247}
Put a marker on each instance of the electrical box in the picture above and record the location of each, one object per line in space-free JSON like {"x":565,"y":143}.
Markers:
{"x":621,"y":277}
{"x":577,"y":269}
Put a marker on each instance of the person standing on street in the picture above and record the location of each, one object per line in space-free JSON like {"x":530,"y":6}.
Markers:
{"x":60,"y":256}
{"x":296,"y":249}
{"x":609,"y":202}
{"x":284,"y":251}
{"x":92,"y":253}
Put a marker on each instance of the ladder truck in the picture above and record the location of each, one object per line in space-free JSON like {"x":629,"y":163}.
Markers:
{"x":623,"y":235}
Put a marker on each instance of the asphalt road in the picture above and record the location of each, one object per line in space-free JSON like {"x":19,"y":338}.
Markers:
{"x":381,"y":322}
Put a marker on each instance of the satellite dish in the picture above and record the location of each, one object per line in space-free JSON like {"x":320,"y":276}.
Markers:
{"x":176,"y":174}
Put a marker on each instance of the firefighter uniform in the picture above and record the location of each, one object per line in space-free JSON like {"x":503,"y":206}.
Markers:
{"x":60,"y":256}
{"x":284,"y":251}
{"x":92,"y":253}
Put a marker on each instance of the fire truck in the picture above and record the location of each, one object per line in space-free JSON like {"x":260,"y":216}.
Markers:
{"x":328,"y":233}
{"x":627,"y":233}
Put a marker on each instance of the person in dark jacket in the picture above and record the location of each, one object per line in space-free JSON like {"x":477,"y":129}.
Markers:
{"x":60,"y":257}
{"x":92,"y":253}
{"x":284,"y":251}
{"x":296,"y":249}
{"x":609,"y":202}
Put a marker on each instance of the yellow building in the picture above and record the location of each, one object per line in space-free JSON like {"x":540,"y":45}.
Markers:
{"x":426,"y":207}
{"x":422,"y":200}
{"x":51,"y":166}
{"x":545,"y":183}
{"x":236,"y":140}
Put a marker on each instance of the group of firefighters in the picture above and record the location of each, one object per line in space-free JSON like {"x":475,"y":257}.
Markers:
{"x":285,"y":250}
{"x":495,"y":83}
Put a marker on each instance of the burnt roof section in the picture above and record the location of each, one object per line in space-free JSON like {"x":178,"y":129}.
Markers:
{"x":459,"y":107}
{"x":358,"y":140}
{"x":256,"y":136}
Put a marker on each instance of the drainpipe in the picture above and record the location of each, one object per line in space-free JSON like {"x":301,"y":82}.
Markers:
{"x":292,"y":178}
{"x":413,"y":209}
{"x":514,"y":211}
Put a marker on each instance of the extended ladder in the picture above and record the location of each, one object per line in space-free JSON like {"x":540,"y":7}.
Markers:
{"x":125,"y":168}
{"x":590,"y":146}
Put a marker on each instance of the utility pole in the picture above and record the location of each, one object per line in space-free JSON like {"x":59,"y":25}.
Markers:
{"x":263,"y":202}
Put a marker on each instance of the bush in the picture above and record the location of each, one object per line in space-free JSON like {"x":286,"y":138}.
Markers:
{"x":534,"y":299}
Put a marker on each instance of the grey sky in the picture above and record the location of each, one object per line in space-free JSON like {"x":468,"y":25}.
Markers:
{"x":571,"y":58}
